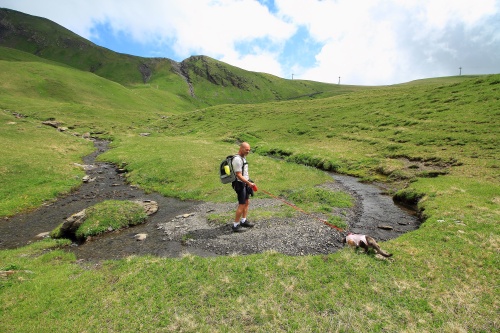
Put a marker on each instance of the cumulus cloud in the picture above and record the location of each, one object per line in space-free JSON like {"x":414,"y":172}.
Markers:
{"x":363,"y":42}
{"x":383,"y":42}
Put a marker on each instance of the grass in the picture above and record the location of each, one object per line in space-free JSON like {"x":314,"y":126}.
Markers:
{"x":107,"y":216}
{"x":258,"y":214}
{"x":110,"y":214}
{"x":433,"y":140}
{"x":34,"y":175}
{"x":319,"y":200}
{"x":186,"y":168}
{"x":253,"y":293}
{"x":308,"y":200}
{"x":338,"y":221}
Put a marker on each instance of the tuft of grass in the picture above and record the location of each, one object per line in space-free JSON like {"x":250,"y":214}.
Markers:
{"x":110,"y":215}
{"x":319,"y":200}
{"x":338,"y":221}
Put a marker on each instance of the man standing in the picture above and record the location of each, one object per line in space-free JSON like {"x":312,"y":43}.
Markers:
{"x":243,"y":188}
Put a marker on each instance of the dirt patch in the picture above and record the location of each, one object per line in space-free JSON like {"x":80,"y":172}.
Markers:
{"x":180,"y":227}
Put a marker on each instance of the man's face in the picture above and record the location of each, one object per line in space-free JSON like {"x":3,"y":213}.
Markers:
{"x":245,"y":150}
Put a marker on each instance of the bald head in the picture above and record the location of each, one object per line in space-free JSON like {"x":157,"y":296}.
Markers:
{"x":244,"y":149}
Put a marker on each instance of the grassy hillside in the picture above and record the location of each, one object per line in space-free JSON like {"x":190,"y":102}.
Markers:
{"x":199,"y":80}
{"x":218,"y":83}
{"x":42,"y":89}
{"x":49,"y":40}
{"x":435,"y":141}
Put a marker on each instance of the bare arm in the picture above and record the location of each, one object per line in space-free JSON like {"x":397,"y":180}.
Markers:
{"x":239,"y":175}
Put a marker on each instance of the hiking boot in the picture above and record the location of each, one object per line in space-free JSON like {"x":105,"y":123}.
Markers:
{"x":246,"y":224}
{"x":238,"y":228}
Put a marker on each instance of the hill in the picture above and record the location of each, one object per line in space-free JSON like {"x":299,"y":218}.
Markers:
{"x":200,"y":79}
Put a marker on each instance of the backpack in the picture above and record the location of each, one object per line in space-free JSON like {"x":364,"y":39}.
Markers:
{"x":226,"y":172}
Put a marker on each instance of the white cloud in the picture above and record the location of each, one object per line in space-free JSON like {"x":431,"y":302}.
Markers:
{"x":213,"y":28}
{"x":262,"y":62}
{"x":383,"y":42}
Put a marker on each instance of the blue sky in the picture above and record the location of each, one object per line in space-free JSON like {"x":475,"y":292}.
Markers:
{"x":366,"y":42}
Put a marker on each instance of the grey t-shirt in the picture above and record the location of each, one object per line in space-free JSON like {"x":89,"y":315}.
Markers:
{"x":238,"y":163}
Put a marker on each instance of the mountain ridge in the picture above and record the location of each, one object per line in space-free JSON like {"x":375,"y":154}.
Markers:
{"x":195,"y":78}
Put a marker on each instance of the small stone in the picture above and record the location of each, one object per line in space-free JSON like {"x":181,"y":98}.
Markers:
{"x":150,"y":206}
{"x":140,"y":237}
{"x":43,"y":235}
{"x":51,"y":123}
{"x":385,"y":227}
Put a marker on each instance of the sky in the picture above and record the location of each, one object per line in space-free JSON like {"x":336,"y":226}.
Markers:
{"x":359,"y":42}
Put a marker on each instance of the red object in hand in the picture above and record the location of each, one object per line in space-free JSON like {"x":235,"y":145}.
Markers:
{"x":254,"y":188}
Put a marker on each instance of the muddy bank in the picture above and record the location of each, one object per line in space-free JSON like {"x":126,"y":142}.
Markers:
{"x":171,"y":235}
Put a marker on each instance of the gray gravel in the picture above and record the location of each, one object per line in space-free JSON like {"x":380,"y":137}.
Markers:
{"x":303,"y":234}
{"x":300,"y":235}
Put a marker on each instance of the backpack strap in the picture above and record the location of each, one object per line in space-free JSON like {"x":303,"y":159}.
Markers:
{"x":242,"y":167}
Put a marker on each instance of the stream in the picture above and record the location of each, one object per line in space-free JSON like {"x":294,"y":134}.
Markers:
{"x":373,"y":210}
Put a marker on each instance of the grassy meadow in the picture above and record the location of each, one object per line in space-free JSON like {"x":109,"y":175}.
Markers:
{"x":435,"y":140}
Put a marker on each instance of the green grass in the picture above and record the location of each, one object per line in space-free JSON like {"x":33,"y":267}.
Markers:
{"x":186,"y":168}
{"x":319,"y":200}
{"x":436,"y":140}
{"x":339,"y":222}
{"x":267,"y":292}
{"x":308,"y":200}
{"x":37,"y":163}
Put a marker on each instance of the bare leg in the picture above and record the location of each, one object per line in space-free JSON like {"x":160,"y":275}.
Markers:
{"x":241,"y":211}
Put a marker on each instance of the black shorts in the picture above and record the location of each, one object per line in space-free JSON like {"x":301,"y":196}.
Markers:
{"x":243,"y":191}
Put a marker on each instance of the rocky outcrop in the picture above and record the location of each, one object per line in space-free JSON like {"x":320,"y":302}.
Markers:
{"x":146,"y":72}
{"x":51,"y":123}
{"x":150,"y":206}
{"x":71,"y":224}
{"x":215,"y":72}
{"x":181,"y":70}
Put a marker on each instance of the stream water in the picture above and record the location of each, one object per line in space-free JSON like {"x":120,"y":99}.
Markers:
{"x":373,"y":210}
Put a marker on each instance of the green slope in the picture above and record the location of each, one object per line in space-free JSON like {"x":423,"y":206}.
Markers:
{"x":49,"y":40}
{"x":218,"y":83}
{"x":44,"y":90}
{"x":199,"y":80}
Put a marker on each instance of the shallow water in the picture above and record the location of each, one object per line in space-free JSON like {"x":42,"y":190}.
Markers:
{"x":373,"y":210}
{"x":377,"y":209}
